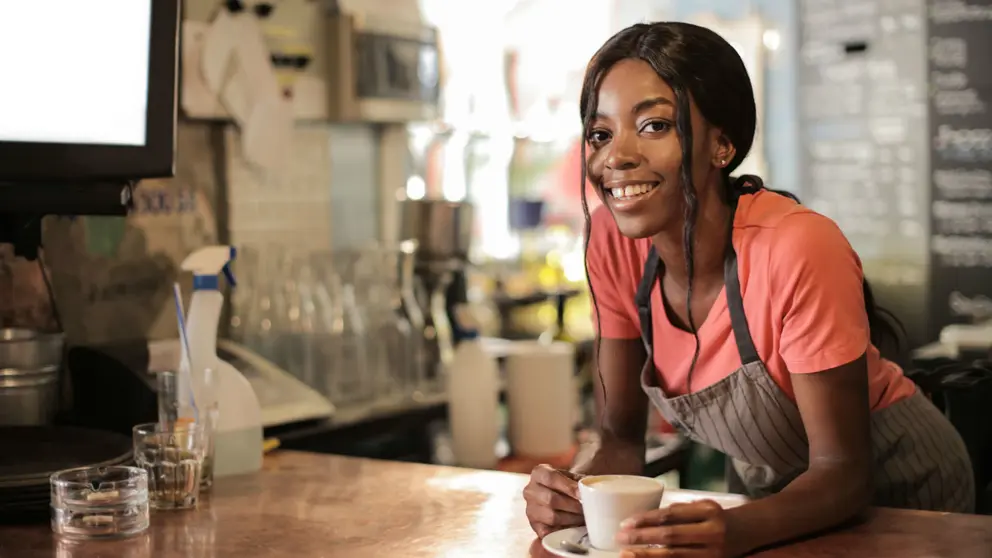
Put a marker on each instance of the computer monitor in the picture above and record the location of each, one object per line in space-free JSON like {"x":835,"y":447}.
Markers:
{"x":87,"y":90}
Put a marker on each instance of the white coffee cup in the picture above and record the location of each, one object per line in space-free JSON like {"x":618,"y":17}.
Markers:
{"x":607,"y":500}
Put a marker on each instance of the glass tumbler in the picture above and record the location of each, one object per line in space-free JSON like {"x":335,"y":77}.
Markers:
{"x":168,"y":414}
{"x":99,"y":502}
{"x":172,"y":455}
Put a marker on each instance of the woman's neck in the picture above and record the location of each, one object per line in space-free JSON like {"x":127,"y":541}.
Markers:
{"x":709,"y":242}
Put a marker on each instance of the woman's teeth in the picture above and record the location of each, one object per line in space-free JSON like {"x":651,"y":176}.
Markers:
{"x":633,"y":191}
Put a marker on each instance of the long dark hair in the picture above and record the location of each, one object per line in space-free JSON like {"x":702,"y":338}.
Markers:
{"x":699,"y":64}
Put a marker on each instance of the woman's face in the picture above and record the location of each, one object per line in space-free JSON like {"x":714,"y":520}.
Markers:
{"x":635,"y":155}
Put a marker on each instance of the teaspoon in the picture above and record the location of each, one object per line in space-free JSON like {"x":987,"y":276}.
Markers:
{"x":569,"y":546}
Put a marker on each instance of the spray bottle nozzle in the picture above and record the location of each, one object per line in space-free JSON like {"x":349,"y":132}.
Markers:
{"x":208,"y":263}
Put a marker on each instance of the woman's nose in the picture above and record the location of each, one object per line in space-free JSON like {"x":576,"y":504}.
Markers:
{"x":623,"y":154}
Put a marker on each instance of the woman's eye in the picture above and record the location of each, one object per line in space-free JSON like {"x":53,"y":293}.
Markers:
{"x":598,"y":136}
{"x":656,"y":126}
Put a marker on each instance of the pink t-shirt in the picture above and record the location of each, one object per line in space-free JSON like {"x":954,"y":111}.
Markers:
{"x":801,"y":283}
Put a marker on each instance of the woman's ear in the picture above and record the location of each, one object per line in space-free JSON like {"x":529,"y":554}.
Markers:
{"x":723,"y":151}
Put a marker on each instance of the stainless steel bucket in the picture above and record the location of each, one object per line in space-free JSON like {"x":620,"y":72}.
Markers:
{"x":29,"y":376}
{"x":28,"y":349}
{"x":28,"y":397}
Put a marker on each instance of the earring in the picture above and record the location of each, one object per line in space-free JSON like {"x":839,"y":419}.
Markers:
{"x":723,"y":162}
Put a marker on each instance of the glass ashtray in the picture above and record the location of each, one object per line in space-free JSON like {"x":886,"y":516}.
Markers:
{"x":99,"y":502}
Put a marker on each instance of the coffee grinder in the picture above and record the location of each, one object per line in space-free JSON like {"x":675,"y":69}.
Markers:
{"x":442,"y":231}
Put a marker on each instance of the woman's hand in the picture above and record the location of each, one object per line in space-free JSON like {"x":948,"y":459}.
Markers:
{"x":693,"y":530}
{"x":552,"y":497}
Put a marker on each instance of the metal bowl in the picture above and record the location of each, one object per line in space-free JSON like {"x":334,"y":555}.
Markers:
{"x":28,"y":349}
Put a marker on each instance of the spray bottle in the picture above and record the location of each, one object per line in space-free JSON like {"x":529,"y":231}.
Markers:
{"x":227,"y":403}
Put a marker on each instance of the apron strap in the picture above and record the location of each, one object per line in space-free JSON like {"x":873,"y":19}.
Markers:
{"x":643,"y":298}
{"x":745,"y":184}
{"x":735,"y":304}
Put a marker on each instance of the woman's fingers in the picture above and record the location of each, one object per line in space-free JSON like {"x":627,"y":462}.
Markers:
{"x":552,"y":517}
{"x":694,"y":530}
{"x":693,"y":512}
{"x":558,"y":501}
{"x":557,"y":480}
{"x":543,"y":496}
{"x":690,"y":534}
{"x":552,"y":500}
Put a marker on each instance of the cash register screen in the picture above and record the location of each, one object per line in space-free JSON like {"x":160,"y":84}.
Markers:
{"x":74,"y":71}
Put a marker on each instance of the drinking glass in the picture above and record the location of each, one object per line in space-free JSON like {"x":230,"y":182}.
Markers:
{"x":172,"y":455}
{"x":168,"y":415}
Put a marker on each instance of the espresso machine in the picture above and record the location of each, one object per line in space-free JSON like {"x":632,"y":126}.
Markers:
{"x":441,"y":232}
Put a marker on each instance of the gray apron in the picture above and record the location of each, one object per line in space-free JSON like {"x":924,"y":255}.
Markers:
{"x":920,"y":459}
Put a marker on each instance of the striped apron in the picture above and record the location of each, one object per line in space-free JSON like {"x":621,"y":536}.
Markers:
{"x":920,"y":459}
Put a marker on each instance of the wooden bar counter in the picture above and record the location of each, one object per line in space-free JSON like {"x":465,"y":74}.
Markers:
{"x":306,"y":505}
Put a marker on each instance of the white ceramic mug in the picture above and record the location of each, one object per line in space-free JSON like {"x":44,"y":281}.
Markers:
{"x":607,"y":500}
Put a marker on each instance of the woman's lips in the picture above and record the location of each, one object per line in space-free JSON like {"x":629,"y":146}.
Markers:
{"x":630,"y":195}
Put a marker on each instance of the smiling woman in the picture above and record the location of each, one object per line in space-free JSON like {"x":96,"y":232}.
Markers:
{"x":741,"y":315}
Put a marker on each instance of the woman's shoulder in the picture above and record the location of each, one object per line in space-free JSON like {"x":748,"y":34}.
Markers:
{"x":781,"y":234}
{"x":782,"y":220}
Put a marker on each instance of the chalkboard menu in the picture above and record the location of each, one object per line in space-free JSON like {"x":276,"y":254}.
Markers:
{"x":863,"y":120}
{"x":959,"y":44}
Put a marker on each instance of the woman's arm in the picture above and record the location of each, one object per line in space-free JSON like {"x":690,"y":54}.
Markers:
{"x":823,"y":341}
{"x":816,"y":286}
{"x":623,"y":409}
{"x":619,"y":354}
{"x":838,"y":484}
{"x":824,"y":336}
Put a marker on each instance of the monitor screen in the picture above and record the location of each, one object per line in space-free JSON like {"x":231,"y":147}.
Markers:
{"x":75,"y":72}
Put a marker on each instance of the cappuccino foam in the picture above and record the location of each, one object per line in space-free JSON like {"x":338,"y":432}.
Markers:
{"x":622,"y":484}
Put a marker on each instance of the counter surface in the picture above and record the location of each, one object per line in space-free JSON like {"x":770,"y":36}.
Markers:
{"x":309,"y":505}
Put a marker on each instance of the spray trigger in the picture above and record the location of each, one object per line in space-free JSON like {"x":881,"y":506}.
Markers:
{"x":229,"y":275}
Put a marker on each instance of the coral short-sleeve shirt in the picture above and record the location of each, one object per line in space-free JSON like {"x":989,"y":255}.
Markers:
{"x":803,"y":298}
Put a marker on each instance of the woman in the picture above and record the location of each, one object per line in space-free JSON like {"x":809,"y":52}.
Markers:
{"x":740,"y":314}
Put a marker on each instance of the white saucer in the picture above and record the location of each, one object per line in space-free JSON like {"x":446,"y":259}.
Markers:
{"x":575,"y":535}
